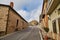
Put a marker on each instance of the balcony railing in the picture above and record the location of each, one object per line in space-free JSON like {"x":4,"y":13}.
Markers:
{"x":52,"y":6}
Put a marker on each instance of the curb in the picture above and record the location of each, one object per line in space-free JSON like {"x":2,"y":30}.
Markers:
{"x":41,"y":35}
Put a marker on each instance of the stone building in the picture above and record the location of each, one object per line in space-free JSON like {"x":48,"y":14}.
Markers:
{"x":33,"y":23}
{"x":10,"y":20}
{"x":51,"y":9}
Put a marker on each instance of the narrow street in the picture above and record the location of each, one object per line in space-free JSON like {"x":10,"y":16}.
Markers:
{"x":29,"y":19}
{"x":31,"y":33}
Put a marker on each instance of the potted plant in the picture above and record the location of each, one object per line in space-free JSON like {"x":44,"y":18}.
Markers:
{"x":46,"y":29}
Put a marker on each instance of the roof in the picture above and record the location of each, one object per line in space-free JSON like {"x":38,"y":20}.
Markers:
{"x":14,"y":11}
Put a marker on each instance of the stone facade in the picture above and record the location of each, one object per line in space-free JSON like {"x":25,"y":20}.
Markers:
{"x":3,"y":17}
{"x":10,"y":20}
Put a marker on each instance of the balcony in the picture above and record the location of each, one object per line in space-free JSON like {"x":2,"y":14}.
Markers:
{"x":52,"y":6}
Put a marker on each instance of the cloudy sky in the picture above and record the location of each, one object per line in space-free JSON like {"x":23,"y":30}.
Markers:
{"x":28,"y":9}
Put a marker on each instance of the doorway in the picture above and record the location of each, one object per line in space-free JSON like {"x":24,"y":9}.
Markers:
{"x":17,"y":25}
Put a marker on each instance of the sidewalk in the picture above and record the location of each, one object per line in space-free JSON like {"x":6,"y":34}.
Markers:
{"x":42,"y":30}
{"x":46,"y":36}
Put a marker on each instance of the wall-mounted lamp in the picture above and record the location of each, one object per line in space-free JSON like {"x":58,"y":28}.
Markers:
{"x":49,"y":17}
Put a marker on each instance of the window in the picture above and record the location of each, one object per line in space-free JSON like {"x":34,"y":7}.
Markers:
{"x":59,"y":24}
{"x":16,"y":25}
{"x":49,"y":2}
{"x":54,"y":26}
{"x":43,"y":15}
{"x":58,"y":11}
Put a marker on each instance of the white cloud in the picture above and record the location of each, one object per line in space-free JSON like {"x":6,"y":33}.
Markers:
{"x":29,"y":16}
{"x":31,"y":4}
{"x":23,"y":13}
{"x":35,"y":14}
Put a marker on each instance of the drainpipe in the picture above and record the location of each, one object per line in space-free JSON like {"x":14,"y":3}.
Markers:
{"x":7,"y":21}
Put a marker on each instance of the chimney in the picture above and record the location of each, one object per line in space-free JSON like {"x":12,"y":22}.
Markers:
{"x":12,"y":4}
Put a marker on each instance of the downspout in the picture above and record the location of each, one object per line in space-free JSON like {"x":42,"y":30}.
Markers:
{"x":7,"y":21}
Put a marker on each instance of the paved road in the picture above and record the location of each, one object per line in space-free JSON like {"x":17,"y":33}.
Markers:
{"x":31,"y":33}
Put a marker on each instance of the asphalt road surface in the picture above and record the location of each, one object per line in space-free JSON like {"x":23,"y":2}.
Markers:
{"x":31,"y":33}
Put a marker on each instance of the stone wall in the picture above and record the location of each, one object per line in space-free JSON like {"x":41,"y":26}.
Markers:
{"x":3,"y":17}
{"x":13,"y":25}
{"x":10,"y":20}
